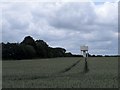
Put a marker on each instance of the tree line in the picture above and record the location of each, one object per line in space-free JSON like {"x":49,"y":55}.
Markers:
{"x":29,"y":49}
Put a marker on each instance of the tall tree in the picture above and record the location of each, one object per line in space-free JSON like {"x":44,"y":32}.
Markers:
{"x":29,"y":41}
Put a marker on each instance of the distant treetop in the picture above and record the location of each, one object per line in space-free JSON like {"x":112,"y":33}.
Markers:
{"x":28,"y":40}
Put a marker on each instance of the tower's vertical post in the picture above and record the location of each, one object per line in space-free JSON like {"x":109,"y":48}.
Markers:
{"x":87,"y":54}
{"x":84,"y":50}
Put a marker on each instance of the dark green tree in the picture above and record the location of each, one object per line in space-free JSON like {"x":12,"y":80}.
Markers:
{"x":29,"y":41}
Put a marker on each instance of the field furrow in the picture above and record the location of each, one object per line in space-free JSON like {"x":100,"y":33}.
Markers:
{"x":46,"y":73}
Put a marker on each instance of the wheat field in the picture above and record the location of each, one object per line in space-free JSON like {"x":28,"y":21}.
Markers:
{"x":67,"y":72}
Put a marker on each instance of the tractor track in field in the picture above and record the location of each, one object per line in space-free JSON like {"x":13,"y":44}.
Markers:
{"x":70,"y":67}
{"x":51,"y":75}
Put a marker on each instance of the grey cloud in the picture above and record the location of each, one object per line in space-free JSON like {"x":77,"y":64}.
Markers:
{"x":74,"y":16}
{"x":68,"y":25}
{"x":16,"y":24}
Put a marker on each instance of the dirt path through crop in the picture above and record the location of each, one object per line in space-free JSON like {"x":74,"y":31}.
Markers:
{"x":70,"y":67}
{"x":53,"y":75}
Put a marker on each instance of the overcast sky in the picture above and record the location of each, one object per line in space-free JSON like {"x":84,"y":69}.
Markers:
{"x":63,"y":24}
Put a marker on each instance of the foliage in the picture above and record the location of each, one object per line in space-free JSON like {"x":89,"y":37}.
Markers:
{"x":29,"y":48}
{"x":29,"y":41}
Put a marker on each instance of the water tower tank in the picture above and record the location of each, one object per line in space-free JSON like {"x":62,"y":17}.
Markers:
{"x":84,"y":48}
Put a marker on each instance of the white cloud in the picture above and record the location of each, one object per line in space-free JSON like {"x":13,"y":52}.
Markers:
{"x":64,"y":24}
{"x":73,"y":16}
{"x":107,"y":13}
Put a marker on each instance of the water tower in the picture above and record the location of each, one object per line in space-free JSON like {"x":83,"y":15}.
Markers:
{"x":84,"y":51}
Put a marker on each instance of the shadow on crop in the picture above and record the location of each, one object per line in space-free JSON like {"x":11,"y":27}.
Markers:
{"x":70,"y":67}
{"x":86,"y":69}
